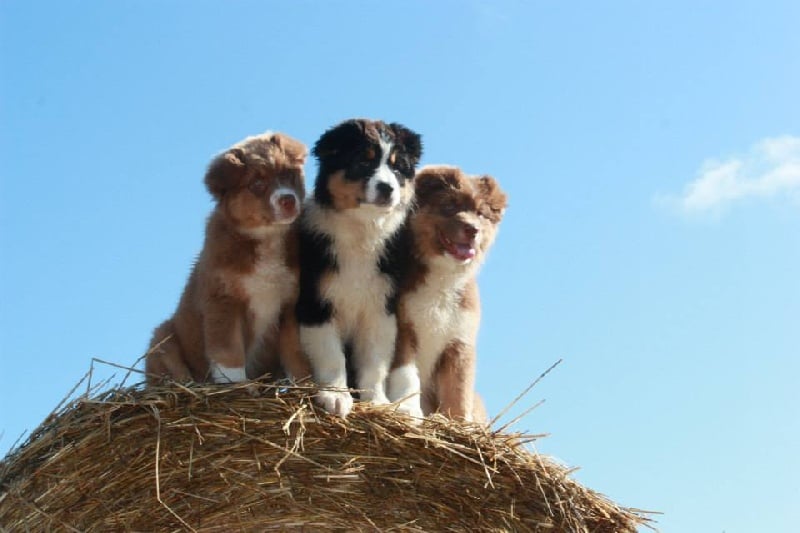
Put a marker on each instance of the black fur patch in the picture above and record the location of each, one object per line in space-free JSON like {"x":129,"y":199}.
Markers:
{"x":395,"y":262}
{"x":316,"y":258}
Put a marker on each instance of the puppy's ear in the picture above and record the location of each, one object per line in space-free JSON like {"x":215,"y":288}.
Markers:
{"x":225,"y":172}
{"x":294,"y":150}
{"x":433,"y":180}
{"x":410,"y":141}
{"x":340,"y":139}
{"x":494,"y":200}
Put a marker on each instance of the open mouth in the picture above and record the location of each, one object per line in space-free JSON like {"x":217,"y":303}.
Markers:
{"x":460,"y":250}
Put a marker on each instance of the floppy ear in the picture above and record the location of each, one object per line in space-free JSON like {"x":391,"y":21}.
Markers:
{"x":294,"y":150}
{"x":341,"y":138}
{"x":493,"y":197}
{"x":432,"y":180}
{"x":225,"y":172}
{"x":410,"y":141}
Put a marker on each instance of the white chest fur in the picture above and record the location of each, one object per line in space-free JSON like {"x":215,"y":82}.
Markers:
{"x":435,"y":312}
{"x":268,"y":286}
{"x":357,"y":289}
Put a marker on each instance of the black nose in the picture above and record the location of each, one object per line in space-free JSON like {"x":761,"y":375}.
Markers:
{"x":470,"y":231}
{"x":384,"y":190}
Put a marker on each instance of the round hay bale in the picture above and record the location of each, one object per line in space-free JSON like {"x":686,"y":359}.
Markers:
{"x":259,"y":457}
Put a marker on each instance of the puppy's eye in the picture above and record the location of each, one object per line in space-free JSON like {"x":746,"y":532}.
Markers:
{"x":392,"y":158}
{"x":258,"y":187}
{"x":486,"y":212}
{"x":370,"y":154}
{"x":449,"y":210}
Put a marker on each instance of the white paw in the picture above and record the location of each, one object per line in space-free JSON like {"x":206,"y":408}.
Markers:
{"x":410,"y":407}
{"x":338,"y":403}
{"x":224,"y":374}
{"x":375,"y":399}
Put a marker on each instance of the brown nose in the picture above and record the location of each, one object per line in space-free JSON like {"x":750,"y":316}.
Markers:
{"x":287,"y":202}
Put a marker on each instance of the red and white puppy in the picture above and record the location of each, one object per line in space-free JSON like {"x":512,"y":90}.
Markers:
{"x":452,"y":227}
{"x":235,"y":319}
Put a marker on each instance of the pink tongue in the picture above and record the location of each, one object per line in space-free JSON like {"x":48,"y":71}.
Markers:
{"x":464,"y":251}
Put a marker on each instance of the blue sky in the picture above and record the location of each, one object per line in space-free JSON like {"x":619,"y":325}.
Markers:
{"x":651,"y":152}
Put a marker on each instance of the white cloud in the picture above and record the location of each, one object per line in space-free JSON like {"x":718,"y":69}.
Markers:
{"x":770,"y":169}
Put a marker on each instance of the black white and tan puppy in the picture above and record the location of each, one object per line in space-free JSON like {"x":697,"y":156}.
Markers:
{"x":235,"y":318}
{"x":453,"y":224}
{"x":352,"y":256}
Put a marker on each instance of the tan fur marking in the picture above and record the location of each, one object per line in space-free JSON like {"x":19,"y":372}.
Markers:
{"x":345,"y":194}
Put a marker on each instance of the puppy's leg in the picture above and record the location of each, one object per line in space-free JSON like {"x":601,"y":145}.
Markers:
{"x":293,"y":360}
{"x":323,"y":345}
{"x":164,"y":357}
{"x":403,"y":384}
{"x":224,"y":341}
{"x":455,"y":381}
{"x":373,"y":353}
{"x":429,"y":402}
{"x":479,"y":413}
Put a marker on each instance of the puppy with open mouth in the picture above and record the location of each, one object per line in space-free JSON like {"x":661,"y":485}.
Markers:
{"x":352,"y":256}
{"x":451,"y":228}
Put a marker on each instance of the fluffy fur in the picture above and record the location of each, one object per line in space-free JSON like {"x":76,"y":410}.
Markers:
{"x":351,"y":255}
{"x":235,"y":319}
{"x":452,"y":227}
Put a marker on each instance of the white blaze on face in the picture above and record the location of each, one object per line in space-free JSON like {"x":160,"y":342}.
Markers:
{"x":274,"y":200}
{"x":384,"y":175}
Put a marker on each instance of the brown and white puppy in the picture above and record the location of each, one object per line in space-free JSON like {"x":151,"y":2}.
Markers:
{"x":235,"y":319}
{"x":452,"y":227}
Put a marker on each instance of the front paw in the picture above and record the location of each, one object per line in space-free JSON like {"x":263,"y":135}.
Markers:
{"x":338,"y":403}
{"x":374,"y":398}
{"x":411,"y":407}
{"x":226,"y":375}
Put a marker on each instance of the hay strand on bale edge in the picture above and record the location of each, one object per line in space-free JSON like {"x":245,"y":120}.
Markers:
{"x":260,"y":457}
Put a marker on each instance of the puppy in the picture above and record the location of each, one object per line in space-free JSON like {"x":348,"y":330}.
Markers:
{"x":351,"y":256}
{"x":452,"y":227}
{"x":236,"y":314}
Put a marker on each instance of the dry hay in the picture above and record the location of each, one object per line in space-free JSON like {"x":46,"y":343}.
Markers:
{"x":259,"y":457}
